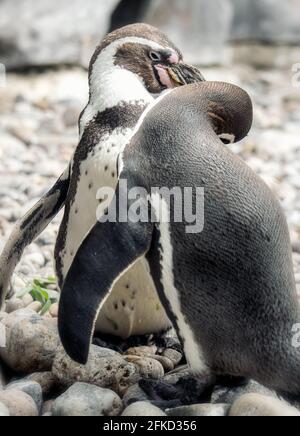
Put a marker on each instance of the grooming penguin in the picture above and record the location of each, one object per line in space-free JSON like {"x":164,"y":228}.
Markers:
{"x":128,"y":70}
{"x":229,"y":290}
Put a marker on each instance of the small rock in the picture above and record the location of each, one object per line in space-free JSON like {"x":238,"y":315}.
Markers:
{"x":13,"y":305}
{"x":167,"y":364}
{"x":4,"y":410}
{"x":54,"y":310}
{"x":47,"y":407}
{"x":27,"y":299}
{"x":36,"y":259}
{"x":229,"y":395}
{"x":260,"y":405}
{"x":18,"y":403}
{"x":142,"y":408}
{"x":87,"y":400}
{"x":46,"y":380}
{"x":36,"y":306}
{"x":173,"y":355}
{"x":31,"y":388}
{"x":105,"y":368}
{"x":134,"y":394}
{"x":142,"y":351}
{"x":31,"y":342}
{"x":200,"y":410}
{"x":148,"y":368}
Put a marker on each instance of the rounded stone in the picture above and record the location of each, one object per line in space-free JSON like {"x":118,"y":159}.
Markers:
{"x":200,"y":410}
{"x":31,"y":343}
{"x":18,"y":403}
{"x":142,"y":408}
{"x":142,"y":351}
{"x":36,"y":306}
{"x":83,"y":399}
{"x":31,"y":388}
{"x":105,"y":368}
{"x":148,"y":368}
{"x":260,"y":405}
{"x":13,"y":305}
{"x":47,"y":380}
{"x":228,"y":395}
{"x":4,"y":410}
{"x":54,"y":310}
{"x":173,"y":355}
{"x":167,"y":364}
{"x":134,"y":394}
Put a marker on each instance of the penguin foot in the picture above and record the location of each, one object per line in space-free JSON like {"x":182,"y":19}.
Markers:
{"x":187,"y":391}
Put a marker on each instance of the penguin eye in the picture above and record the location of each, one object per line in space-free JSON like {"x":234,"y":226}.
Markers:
{"x":155,"y":56}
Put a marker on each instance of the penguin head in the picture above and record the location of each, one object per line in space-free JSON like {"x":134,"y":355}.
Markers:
{"x":138,"y":55}
{"x":225,"y":107}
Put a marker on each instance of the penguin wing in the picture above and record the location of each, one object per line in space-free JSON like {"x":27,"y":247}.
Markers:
{"x":29,"y":228}
{"x":108,"y":251}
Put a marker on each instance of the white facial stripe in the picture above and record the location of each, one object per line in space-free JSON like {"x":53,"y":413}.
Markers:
{"x":111,"y":84}
{"x":192,"y":349}
{"x":139,"y":124}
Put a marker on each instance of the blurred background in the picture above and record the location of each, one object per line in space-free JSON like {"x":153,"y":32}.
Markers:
{"x":45,"y":47}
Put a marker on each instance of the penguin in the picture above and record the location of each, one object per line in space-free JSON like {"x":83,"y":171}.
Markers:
{"x":229,"y":287}
{"x":129,"y":69}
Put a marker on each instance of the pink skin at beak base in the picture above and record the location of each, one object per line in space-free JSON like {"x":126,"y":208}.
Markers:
{"x":164,"y":76}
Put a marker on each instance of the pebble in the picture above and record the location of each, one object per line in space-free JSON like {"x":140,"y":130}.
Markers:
{"x":148,"y":368}
{"x":173,"y":355}
{"x":33,"y":389}
{"x":228,"y":395}
{"x":134,"y":394}
{"x":54,"y":310}
{"x":142,"y":351}
{"x":105,"y":368}
{"x":142,"y":408}
{"x":27,"y":300}
{"x":4,"y":410}
{"x":86,"y":400}
{"x":166,"y":363}
{"x":47,"y":407}
{"x":260,"y":405}
{"x":46,"y":380}
{"x":36,"y":306}
{"x":14,"y":304}
{"x":31,"y":342}
{"x":200,"y":410}
{"x":18,"y":403}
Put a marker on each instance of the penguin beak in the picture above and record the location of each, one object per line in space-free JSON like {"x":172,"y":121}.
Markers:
{"x":184,"y":74}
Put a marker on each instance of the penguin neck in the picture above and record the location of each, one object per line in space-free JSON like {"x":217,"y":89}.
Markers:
{"x":111,"y":88}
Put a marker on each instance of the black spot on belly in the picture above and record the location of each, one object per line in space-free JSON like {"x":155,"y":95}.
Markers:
{"x":106,"y":168}
{"x":91,"y":185}
{"x":113,"y":175}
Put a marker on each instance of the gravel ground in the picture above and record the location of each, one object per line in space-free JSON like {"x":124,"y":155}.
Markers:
{"x":38,"y":133}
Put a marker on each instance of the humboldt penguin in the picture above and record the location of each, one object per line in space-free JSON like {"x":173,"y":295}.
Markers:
{"x":130,"y":68}
{"x":226,"y":282}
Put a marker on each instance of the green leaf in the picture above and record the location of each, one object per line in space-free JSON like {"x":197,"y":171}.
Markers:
{"x":46,"y":308}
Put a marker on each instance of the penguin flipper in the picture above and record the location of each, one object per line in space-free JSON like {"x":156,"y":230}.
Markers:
{"x":29,"y":228}
{"x":108,"y":251}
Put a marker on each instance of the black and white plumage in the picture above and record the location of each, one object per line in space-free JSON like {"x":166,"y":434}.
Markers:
{"x":229,"y":290}
{"x":129,"y":69}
